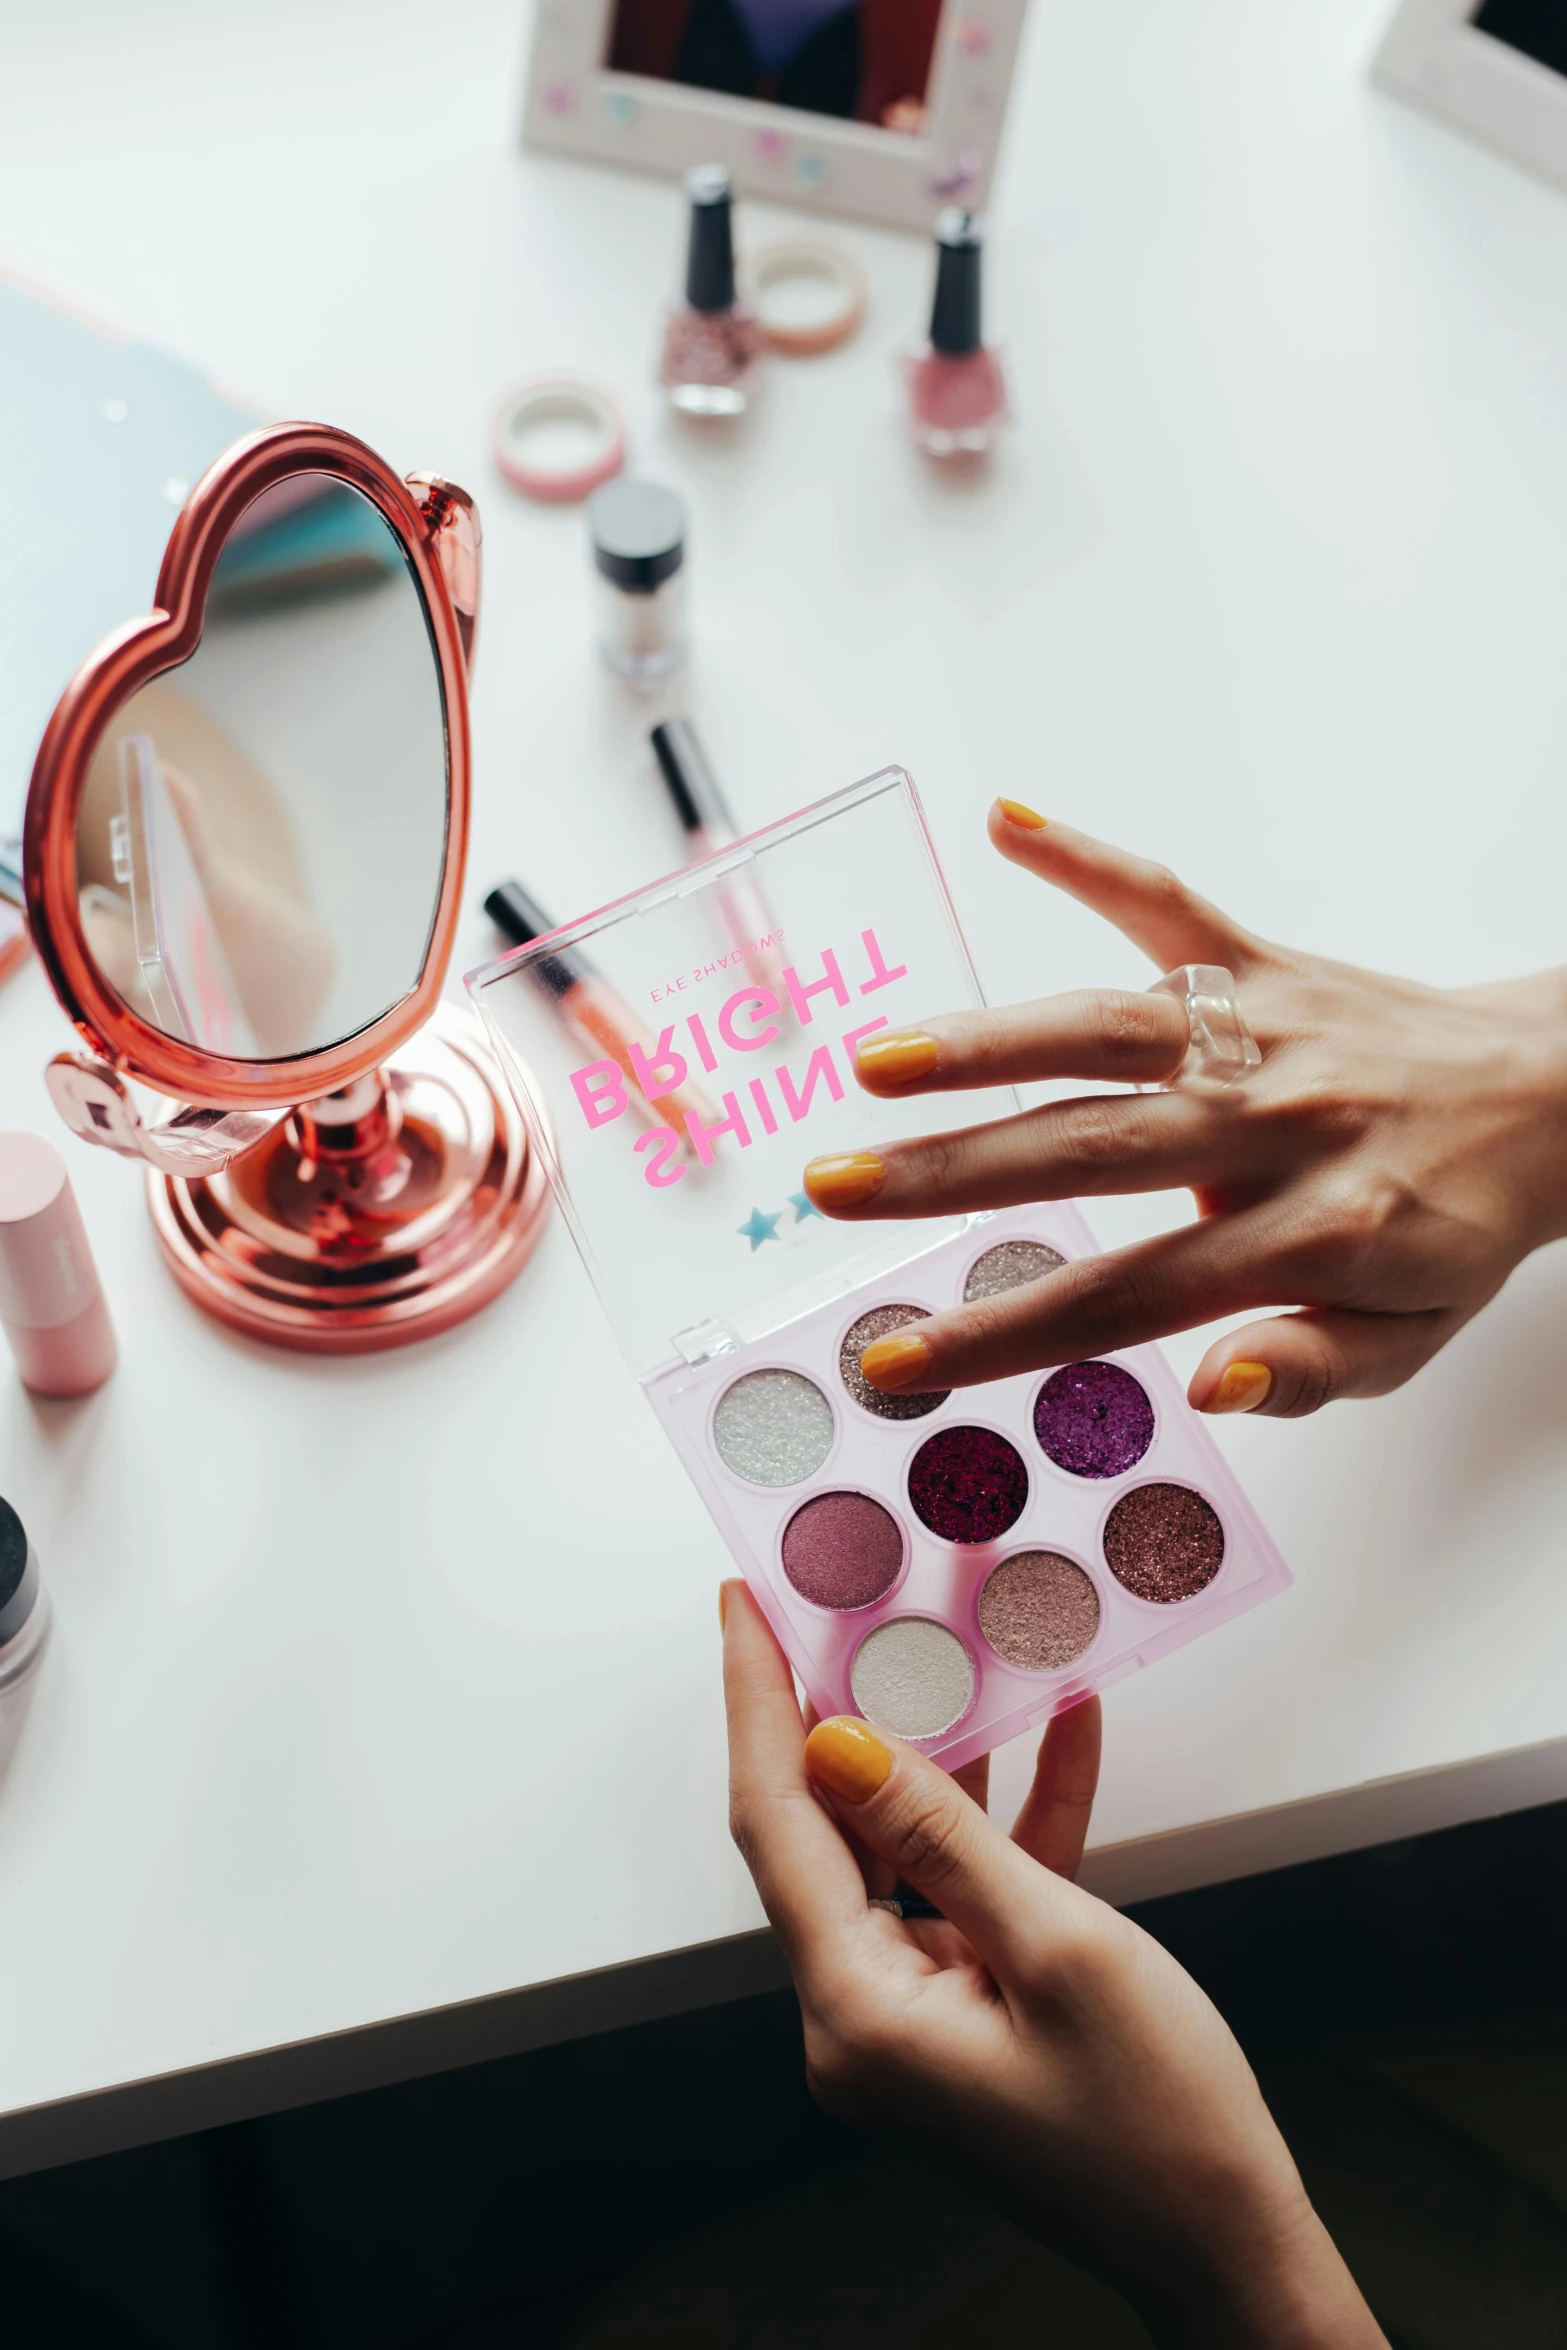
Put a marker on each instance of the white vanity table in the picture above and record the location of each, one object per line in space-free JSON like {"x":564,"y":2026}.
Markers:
{"x":1267,"y":582}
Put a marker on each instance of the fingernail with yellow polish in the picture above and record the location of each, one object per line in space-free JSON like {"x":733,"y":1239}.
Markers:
{"x":1015,"y":813}
{"x":1241,"y":1388}
{"x":845,"y":1180}
{"x":848,"y":1758}
{"x":890,"y":1363}
{"x":723,"y":1605}
{"x":896,"y":1060}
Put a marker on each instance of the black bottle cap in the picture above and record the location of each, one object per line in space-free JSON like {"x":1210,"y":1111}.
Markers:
{"x":522,"y":919}
{"x":710,"y":255}
{"x":694,"y":788}
{"x":18,"y":1575}
{"x":954,"y":317}
{"x":639,"y":534}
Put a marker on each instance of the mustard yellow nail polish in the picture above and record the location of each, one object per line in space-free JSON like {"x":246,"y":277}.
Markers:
{"x":846,"y":1179}
{"x":848,"y":1758}
{"x":891,"y":1363}
{"x":1241,"y":1388}
{"x":723,"y":1604}
{"x":1015,"y":813}
{"x":897,"y":1060}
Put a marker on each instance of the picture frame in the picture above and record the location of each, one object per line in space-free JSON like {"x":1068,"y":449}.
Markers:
{"x":1496,"y":69}
{"x":938,"y":148}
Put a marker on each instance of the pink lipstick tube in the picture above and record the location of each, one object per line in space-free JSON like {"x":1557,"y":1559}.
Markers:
{"x":50,"y":1299}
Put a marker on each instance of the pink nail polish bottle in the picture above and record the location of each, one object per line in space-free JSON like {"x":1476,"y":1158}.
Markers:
{"x":711,"y":342}
{"x":957,"y":394}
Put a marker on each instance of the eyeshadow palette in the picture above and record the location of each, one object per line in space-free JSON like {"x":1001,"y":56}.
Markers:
{"x":955,"y":1567}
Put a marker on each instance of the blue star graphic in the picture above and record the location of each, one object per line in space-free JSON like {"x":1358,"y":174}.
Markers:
{"x":803,"y":1206}
{"x":758,"y":1228}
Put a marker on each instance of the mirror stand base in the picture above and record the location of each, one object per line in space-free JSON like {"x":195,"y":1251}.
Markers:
{"x":357,"y":1250}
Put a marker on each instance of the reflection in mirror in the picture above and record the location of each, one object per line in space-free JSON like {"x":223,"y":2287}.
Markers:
{"x":263,"y":830}
{"x":862,"y":60}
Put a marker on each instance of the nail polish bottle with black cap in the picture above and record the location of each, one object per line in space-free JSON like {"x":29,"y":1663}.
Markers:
{"x":957,"y":395}
{"x":711,"y":341}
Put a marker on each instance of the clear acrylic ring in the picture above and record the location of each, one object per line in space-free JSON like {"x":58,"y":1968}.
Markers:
{"x":1222,"y":1047}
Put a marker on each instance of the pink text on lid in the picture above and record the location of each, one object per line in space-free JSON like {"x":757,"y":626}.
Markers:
{"x":748,"y":1022}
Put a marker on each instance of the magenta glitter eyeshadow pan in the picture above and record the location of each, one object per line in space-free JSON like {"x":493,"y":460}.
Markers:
{"x":953,"y":1565}
{"x":968,"y":1484}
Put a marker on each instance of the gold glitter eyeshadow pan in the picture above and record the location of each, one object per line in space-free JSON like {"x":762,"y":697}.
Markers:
{"x":954,"y":1566}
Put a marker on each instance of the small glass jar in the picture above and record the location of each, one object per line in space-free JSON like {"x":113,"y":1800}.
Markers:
{"x":639,"y":549}
{"x":24,"y":1606}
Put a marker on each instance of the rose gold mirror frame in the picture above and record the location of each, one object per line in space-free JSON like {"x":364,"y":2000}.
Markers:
{"x":370,"y":1202}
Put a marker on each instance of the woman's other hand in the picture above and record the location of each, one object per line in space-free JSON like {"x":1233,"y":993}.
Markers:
{"x":1030,"y":2036}
{"x":1398,"y":1151}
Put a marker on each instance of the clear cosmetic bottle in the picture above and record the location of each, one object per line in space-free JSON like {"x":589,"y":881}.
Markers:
{"x":639,"y":552}
{"x":712,"y":343}
{"x":957,"y":394}
{"x":24,"y":1609}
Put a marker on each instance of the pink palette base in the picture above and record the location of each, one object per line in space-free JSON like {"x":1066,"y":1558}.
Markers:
{"x":942,"y":1580}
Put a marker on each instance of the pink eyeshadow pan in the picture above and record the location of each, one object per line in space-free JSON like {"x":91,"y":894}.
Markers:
{"x":842,"y":1550}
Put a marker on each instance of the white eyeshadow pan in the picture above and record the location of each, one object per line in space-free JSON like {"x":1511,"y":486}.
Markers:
{"x":773,"y":1428}
{"x":913,"y":1677}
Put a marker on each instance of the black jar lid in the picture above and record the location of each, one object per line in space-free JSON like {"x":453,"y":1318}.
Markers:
{"x":18,"y":1575}
{"x":639,"y":534}
{"x":710,"y":254}
{"x":955,"y":313}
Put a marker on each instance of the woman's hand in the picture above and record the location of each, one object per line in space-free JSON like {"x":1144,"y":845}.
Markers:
{"x":1029,"y":2036}
{"x":1397,"y":1153}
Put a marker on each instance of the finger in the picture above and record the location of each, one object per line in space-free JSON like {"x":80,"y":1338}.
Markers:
{"x":878,"y":1879}
{"x":974,"y":1779}
{"x":1053,"y":1824}
{"x":1096,"y":1305}
{"x":1289,"y":1367}
{"x":1139,"y":1039}
{"x":808,"y":1880}
{"x":1099,"y":1143}
{"x":920,"y":1821}
{"x":1146,"y":902}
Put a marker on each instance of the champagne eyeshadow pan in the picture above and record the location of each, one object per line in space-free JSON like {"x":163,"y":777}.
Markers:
{"x":1039,"y":1611}
{"x":1007,"y":1266}
{"x":880,"y":1322}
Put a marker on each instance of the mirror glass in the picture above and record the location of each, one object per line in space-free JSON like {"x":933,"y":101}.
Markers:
{"x":862,"y":60}
{"x":263,"y":830}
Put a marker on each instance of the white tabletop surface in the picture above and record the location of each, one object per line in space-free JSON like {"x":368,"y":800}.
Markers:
{"x":385,"y":1685}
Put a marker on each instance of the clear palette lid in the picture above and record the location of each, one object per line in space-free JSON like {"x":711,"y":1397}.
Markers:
{"x":681,"y":1054}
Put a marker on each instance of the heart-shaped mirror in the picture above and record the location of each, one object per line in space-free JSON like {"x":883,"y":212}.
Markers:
{"x":244,"y":856}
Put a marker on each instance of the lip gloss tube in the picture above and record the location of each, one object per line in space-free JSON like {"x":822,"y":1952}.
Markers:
{"x":50,"y":1299}
{"x":705,"y":820}
{"x":591,"y":1007}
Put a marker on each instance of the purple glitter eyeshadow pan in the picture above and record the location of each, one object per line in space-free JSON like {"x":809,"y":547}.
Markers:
{"x":1094,"y":1419}
{"x":968,"y":1484}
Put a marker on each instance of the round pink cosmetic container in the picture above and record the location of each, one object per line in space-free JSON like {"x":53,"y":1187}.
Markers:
{"x":50,"y":1300}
